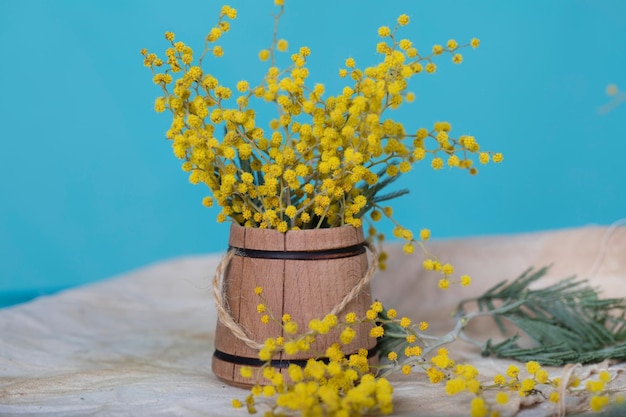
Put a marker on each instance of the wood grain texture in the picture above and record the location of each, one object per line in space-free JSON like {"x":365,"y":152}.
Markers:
{"x":306,"y":289}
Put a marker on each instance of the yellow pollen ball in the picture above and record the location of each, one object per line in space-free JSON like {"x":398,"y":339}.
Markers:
{"x":231,"y":13}
{"x":282,"y":45}
{"x":347,"y":335}
{"x":512,"y":371}
{"x":532,"y":367}
{"x":466,"y":280}
{"x":377,"y":331}
{"x":243,"y":86}
{"x":604,"y":376}
{"x":598,"y":402}
{"x":502,"y":398}
{"x":377,"y":306}
{"x":214,"y":34}
{"x":264,"y":55}
{"x":291,"y":327}
{"x":351,"y":317}
{"x":218,"y":51}
{"x":405,"y":44}
{"x":246,"y":372}
{"x":437,"y":163}
{"x":384,"y":31}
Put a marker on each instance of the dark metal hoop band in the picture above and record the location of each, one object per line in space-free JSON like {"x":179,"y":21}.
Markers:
{"x":276,"y":363}
{"x":338,"y":253}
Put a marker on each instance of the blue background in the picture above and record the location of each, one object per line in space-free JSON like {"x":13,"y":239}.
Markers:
{"x":90,"y":188}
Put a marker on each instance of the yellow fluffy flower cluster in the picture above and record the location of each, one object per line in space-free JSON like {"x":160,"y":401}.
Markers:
{"x":334,"y":388}
{"x":330,"y":383}
{"x":601,"y":395}
{"x":405,"y":347}
{"x":538,"y":383}
{"x":323,"y":160}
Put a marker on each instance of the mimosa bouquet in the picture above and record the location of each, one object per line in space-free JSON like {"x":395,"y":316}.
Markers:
{"x":325,"y":159}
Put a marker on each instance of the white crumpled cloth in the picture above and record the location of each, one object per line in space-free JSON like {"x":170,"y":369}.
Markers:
{"x":141,"y":344}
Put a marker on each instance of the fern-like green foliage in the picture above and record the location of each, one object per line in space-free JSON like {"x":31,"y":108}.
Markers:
{"x":567,"y":322}
{"x":372,"y":192}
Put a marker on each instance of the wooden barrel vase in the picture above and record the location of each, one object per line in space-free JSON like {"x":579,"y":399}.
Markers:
{"x":304,"y":273}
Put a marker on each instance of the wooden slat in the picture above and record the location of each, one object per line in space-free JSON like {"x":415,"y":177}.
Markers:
{"x":321,"y":239}
{"x":224,"y":339}
{"x":267,"y":274}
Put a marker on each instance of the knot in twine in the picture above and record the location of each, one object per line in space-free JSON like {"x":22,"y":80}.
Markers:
{"x":226,"y":318}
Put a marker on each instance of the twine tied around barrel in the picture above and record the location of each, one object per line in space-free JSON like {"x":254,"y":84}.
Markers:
{"x":239,"y":332}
